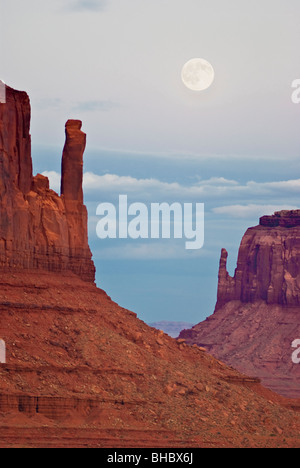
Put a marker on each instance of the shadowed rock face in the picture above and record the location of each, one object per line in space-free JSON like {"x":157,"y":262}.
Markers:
{"x":38,"y":228}
{"x":257,"y":316}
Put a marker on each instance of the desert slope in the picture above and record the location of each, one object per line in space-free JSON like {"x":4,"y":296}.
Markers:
{"x":81,"y":367}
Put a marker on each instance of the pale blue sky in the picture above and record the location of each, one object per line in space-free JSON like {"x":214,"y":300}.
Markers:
{"x":116,"y":65}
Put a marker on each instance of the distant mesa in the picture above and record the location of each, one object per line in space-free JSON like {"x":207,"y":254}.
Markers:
{"x":268,"y":266}
{"x":38,"y":228}
{"x":172,"y":329}
{"x":287,"y":219}
{"x":257,"y":314}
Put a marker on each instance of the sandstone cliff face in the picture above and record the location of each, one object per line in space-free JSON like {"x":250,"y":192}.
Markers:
{"x":268,"y":266}
{"x":38,"y":228}
{"x":257,"y":315}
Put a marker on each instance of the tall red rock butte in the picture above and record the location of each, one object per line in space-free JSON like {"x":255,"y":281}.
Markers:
{"x":76,"y":369}
{"x":38,"y":228}
{"x":257,"y":315}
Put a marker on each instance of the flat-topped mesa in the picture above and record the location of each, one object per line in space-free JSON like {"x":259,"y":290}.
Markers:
{"x":38,"y":228}
{"x":268,"y":266}
{"x":284,"y":218}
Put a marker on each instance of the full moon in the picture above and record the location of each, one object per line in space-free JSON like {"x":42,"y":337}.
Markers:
{"x":198,"y":74}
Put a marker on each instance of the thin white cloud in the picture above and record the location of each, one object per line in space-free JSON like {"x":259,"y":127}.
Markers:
{"x":113,"y":183}
{"x":95,"y":106}
{"x":192,"y":157}
{"x":211,"y":189}
{"x":285,"y":185}
{"x":48,"y":103}
{"x":251,"y":210}
{"x":145,"y":188}
{"x":252,"y":196}
{"x":87,"y":5}
{"x":217,"y":181}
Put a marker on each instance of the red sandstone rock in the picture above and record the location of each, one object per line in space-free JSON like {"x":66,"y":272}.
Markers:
{"x":15,"y":142}
{"x":39,"y":229}
{"x":80,"y":370}
{"x":257,"y":315}
{"x":268,"y":266}
{"x":72,"y":162}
